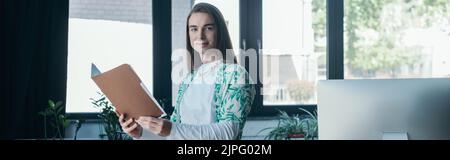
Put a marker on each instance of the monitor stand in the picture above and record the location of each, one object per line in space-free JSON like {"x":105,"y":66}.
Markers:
{"x":395,"y":135}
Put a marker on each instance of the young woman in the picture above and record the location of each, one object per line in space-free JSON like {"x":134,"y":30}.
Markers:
{"x":215,"y":98}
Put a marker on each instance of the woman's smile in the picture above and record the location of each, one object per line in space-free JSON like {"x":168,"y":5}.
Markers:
{"x":202,"y":44}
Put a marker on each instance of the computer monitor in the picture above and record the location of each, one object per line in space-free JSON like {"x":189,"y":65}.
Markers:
{"x":415,"y":109}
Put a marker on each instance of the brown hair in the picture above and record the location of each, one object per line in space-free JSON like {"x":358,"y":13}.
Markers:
{"x":223,"y":36}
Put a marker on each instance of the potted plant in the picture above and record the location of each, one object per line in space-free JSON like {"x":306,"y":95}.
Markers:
{"x":294,"y":127}
{"x":55,"y":116}
{"x":111,"y":126}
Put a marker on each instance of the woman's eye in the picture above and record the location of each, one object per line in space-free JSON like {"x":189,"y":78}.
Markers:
{"x":193,"y":29}
{"x":209,"y":28}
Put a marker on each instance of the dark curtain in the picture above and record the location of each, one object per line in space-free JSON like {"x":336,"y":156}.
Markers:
{"x":33,"y":63}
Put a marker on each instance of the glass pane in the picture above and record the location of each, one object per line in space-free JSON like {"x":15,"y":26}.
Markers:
{"x":397,"y":39}
{"x":180,"y":11}
{"x":294,"y":50}
{"x":107,"y":33}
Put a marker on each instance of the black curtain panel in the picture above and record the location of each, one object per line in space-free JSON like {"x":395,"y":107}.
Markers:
{"x":33,"y":63}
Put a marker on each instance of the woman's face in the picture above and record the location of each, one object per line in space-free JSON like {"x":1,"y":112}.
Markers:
{"x":202,"y":32}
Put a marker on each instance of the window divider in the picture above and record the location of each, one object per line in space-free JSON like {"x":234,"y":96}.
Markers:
{"x":335,"y":39}
{"x":162,"y":51}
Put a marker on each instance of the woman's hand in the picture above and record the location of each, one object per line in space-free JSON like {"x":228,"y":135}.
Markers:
{"x":130,"y":126}
{"x":157,"y":126}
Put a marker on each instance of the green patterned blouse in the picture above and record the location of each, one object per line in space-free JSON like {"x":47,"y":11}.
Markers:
{"x":233,"y":95}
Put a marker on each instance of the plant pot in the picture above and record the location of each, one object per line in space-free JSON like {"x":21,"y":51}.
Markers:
{"x":296,"y":136}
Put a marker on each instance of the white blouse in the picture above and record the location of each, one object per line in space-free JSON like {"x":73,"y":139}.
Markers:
{"x":197,"y":111}
{"x":197,"y":105}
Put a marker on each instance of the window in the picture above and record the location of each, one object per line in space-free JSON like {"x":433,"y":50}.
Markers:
{"x":107,"y":33}
{"x":397,"y":39}
{"x":180,"y":11}
{"x":294,"y":51}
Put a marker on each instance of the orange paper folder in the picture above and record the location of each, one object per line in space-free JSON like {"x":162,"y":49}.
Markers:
{"x":126,"y":92}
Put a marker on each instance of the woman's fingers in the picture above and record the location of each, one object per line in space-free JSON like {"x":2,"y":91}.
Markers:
{"x":149,"y":120}
{"x":150,"y":123}
{"x":145,"y":118}
{"x":155,"y":125}
{"x":121,"y":118}
{"x":129,"y":129}
{"x":160,"y":122}
{"x":142,"y":122}
{"x":156,"y":121}
{"x":147,"y":124}
{"x":154,"y":128}
{"x":128,"y":122}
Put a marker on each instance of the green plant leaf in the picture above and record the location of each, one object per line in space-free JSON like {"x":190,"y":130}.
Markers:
{"x":42,"y":113}
{"x":49,"y":112}
{"x":62,"y":116}
{"x":101,"y":99}
{"x":309,"y":113}
{"x":51,"y":104}
{"x":66,"y":123}
{"x":58,"y":104}
{"x":59,"y":109}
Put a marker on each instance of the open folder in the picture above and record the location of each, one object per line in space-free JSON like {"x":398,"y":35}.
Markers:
{"x":126,"y":92}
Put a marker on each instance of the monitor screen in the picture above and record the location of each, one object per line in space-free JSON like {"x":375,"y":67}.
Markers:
{"x":415,"y":109}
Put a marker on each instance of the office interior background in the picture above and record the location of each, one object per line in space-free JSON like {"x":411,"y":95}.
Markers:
{"x":48,"y":47}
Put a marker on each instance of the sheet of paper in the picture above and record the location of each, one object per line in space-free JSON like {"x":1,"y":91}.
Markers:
{"x":94,"y":70}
